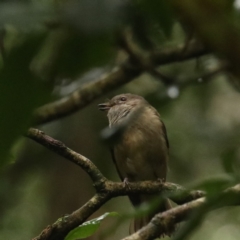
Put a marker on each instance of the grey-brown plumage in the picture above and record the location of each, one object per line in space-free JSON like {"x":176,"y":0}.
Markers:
{"x":142,"y":152}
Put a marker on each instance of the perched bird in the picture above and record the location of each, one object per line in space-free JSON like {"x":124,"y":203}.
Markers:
{"x":142,"y":151}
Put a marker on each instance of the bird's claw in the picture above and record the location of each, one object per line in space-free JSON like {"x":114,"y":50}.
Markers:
{"x":161,"y":180}
{"x":126,"y":183}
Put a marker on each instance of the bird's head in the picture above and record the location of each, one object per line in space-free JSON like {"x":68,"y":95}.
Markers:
{"x":126,"y":100}
{"x":121,"y":105}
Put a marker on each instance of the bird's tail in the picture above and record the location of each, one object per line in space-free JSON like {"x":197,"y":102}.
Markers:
{"x":140,"y":222}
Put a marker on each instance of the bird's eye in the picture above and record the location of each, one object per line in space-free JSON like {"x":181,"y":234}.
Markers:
{"x":123,"y":99}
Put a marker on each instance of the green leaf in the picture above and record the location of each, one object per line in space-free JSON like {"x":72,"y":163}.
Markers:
{"x":161,"y":12}
{"x":95,"y":16}
{"x":215,"y":185}
{"x":88,"y":228}
{"x":228,"y":160}
{"x":67,"y":53}
{"x":20,"y":92}
{"x":24,"y":15}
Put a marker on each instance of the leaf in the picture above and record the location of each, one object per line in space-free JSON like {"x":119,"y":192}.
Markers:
{"x":228,"y":160}
{"x":20,"y":92}
{"x":160,"y":11}
{"x":88,"y":228}
{"x":95,"y":16}
{"x":215,"y":185}
{"x":24,"y":15}
{"x":67,"y":53}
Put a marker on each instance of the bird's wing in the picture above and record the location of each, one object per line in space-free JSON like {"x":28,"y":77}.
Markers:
{"x":134,"y":198}
{"x":164,"y":130}
{"x":165,"y":133}
{"x":115,"y":163}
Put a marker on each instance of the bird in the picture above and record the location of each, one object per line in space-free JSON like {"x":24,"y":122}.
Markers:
{"x":142,"y":152}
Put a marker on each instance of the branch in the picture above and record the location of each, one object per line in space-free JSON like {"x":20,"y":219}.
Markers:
{"x":222,"y":67}
{"x":61,"y":149}
{"x":194,"y":50}
{"x":138,"y":56}
{"x":175,"y":192}
{"x":117,"y":77}
{"x":207,"y":18}
{"x":101,"y":184}
{"x":105,"y":189}
{"x":161,"y":222}
{"x":63,"y":226}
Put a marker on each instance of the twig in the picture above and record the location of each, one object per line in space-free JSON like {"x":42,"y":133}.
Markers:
{"x":117,"y":77}
{"x":195,"y":49}
{"x":63,"y":226}
{"x":206,"y":77}
{"x":176,"y":192}
{"x":138,"y":56}
{"x":141,"y":58}
{"x":207,"y":17}
{"x":161,"y":222}
{"x":61,"y":149}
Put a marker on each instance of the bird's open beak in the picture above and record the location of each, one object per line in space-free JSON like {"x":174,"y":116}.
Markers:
{"x":104,"y":106}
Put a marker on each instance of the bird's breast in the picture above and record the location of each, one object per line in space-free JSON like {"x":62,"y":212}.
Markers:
{"x":141,"y":149}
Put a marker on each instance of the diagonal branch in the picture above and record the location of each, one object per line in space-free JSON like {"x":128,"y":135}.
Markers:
{"x":61,"y":149}
{"x":176,"y":192}
{"x":138,"y":56}
{"x":161,"y":222}
{"x":63,"y":226}
{"x":117,"y":77}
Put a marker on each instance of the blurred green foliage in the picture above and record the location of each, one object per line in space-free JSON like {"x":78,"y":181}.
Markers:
{"x":20,"y":92}
{"x":158,"y":12}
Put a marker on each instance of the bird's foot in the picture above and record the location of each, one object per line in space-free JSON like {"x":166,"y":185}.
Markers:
{"x":161,"y":180}
{"x":126,"y":183}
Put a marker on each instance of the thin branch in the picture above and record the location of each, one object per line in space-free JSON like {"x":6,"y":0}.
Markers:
{"x":175,"y":192}
{"x":85,"y":95}
{"x":161,"y":222}
{"x":140,"y":57}
{"x":195,"y":49}
{"x":117,"y":77}
{"x":206,"y":77}
{"x":63,"y":226}
{"x":61,"y":149}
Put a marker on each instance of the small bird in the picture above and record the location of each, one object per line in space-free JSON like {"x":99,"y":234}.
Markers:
{"x":142,"y":151}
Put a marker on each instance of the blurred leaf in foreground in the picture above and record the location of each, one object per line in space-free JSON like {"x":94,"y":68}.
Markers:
{"x":24,"y":15}
{"x":67,"y":53}
{"x":88,"y":228}
{"x":160,"y":11}
{"x":20,"y":92}
{"x":215,"y":185}
{"x":229,"y":160}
